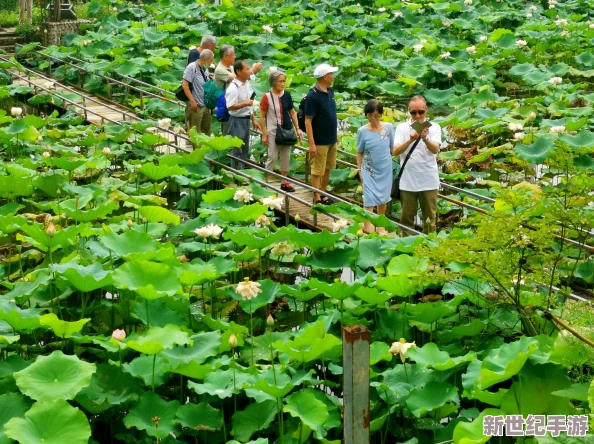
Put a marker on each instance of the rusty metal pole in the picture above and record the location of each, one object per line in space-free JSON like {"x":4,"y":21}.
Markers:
{"x":355,"y":355}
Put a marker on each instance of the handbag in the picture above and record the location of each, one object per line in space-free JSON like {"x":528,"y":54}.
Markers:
{"x":395,"y":193}
{"x":180,"y":94}
{"x":283,"y":136}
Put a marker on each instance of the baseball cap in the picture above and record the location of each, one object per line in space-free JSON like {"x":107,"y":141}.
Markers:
{"x":323,"y":69}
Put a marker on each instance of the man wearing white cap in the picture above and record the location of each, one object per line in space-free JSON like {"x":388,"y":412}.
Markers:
{"x":321,"y":125}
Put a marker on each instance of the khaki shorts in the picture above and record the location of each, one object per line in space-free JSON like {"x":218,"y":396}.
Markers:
{"x":325,"y":159}
{"x":199,"y":119}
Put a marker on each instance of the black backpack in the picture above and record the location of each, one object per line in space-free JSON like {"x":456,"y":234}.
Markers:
{"x":301,"y":112}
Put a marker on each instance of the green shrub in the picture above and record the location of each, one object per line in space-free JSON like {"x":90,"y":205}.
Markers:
{"x":8,"y":5}
{"x":27,"y":32}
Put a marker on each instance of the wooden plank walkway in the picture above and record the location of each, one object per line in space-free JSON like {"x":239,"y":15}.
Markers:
{"x":101,"y":110}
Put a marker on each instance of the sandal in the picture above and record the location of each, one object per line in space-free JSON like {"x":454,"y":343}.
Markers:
{"x":325,"y":200}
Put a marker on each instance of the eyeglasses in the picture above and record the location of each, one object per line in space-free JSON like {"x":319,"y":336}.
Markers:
{"x":414,"y":112}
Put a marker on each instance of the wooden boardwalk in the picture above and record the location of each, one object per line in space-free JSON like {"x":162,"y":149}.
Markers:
{"x":98,"y":110}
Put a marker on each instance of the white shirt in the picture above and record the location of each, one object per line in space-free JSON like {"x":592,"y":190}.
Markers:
{"x":420,"y":173}
{"x":238,"y":92}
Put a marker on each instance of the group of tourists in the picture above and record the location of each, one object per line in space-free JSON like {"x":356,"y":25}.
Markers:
{"x":415,"y":141}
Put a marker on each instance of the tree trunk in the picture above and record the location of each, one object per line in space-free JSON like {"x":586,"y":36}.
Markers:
{"x":57,"y":11}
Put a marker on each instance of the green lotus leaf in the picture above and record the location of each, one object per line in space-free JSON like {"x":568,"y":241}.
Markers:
{"x":338,"y":290}
{"x":154,"y":415}
{"x":158,"y":214}
{"x":257,"y":240}
{"x":20,"y":320}
{"x":586,"y":59}
{"x":57,"y":376}
{"x":379,"y":351}
{"x":269,"y":289}
{"x":16,"y":127}
{"x":311,"y":411}
{"x":99,"y":212}
{"x":393,"y":88}
{"x":156,"y":339}
{"x":450,"y":155}
{"x":506,"y":361}
{"x":14,"y":405}
{"x":200,"y":417}
{"x":156,"y":173}
{"x":219,"y":195}
{"x":129,"y":242}
{"x":429,"y":313}
{"x":538,"y":152}
{"x":43,"y":241}
{"x":157,"y":313}
{"x":394,"y":325}
{"x":431,"y":397}
{"x":197,"y":274}
{"x":84,"y":278}
{"x":372,"y":295}
{"x":333,"y":260}
{"x":150,"y":280}
{"x":315,"y":241}
{"x":111,"y":385}
{"x":275,"y":390}
{"x":584,"y":139}
{"x":62,"y":329}
{"x":245,"y":214}
{"x":472,"y":433}
{"x":254,"y":418}
{"x":406,"y":264}
{"x":222,"y":383}
{"x":151,"y":369}
{"x":50,"y":422}
{"x":474,"y":328}
{"x":205,"y":345}
{"x":192,"y":370}
{"x":300,"y":293}
{"x":533,"y":391}
{"x":522,"y":69}
{"x":431,"y":357}
{"x":311,"y":344}
{"x":373,"y":252}
{"x":398,"y":285}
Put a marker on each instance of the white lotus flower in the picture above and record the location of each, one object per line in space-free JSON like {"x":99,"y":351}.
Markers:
{"x":262,"y":221}
{"x":211,"y":230}
{"x":471,"y":49}
{"x":484,"y":38}
{"x":521,"y":43}
{"x":551,"y":6}
{"x":16,"y":111}
{"x":468,"y":2}
{"x":164,"y":123}
{"x":382,"y":10}
{"x":515,"y":126}
{"x":282,"y":249}
{"x":533,"y":8}
{"x":106,"y":150}
{"x":273,"y":203}
{"x":564,"y":33}
{"x":446,"y":24}
{"x":449,"y":75}
{"x":532,"y":115}
{"x":591,"y":25}
{"x":418,"y":47}
{"x":87,"y":42}
{"x":339,"y":224}
{"x":557,"y":129}
{"x":519,"y":136}
{"x":243,"y":195}
{"x":398,"y":14}
{"x":215,"y":231}
{"x":267,"y":29}
{"x":248,"y":289}
{"x":401,"y":348}
{"x":556,"y":80}
{"x":445,"y":55}
{"x":46,"y":154}
{"x":220,"y":22}
{"x":529,"y":15}
{"x":118,"y":335}
{"x":561,"y":22}
{"x":273,"y":69}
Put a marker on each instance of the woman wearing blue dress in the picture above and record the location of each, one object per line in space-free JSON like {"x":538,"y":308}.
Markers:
{"x":374,"y":161}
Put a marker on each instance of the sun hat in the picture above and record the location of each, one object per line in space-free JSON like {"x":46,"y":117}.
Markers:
{"x":323,"y":69}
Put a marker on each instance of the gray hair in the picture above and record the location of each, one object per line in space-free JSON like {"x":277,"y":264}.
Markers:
{"x":207,"y":40}
{"x":274,"y":76}
{"x":226,"y":49}
{"x":419,"y":98}
{"x":206,"y":54}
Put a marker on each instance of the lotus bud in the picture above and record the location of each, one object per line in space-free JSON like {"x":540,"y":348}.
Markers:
{"x":359,"y":189}
{"x":220,"y":22}
{"x":360,"y":233}
{"x":449,"y":75}
{"x":232,"y":341}
{"x":119,"y":335}
{"x":51,"y":229}
{"x":130,"y":223}
{"x":46,"y":154}
{"x":106,"y":150}
{"x":428,"y":221}
{"x":532,"y":115}
{"x":270,"y":320}
{"x":297,"y":217}
{"x":59,"y":191}
{"x":16,"y":111}
{"x":144,"y":220}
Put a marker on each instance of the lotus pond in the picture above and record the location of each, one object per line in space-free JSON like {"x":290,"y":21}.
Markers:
{"x":146,"y":297}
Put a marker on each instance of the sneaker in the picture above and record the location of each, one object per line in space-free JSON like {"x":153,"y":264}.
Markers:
{"x":286,"y":186}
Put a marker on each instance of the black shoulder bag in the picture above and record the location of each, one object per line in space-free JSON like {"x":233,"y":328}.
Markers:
{"x":283,"y":136}
{"x":395,"y":194}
